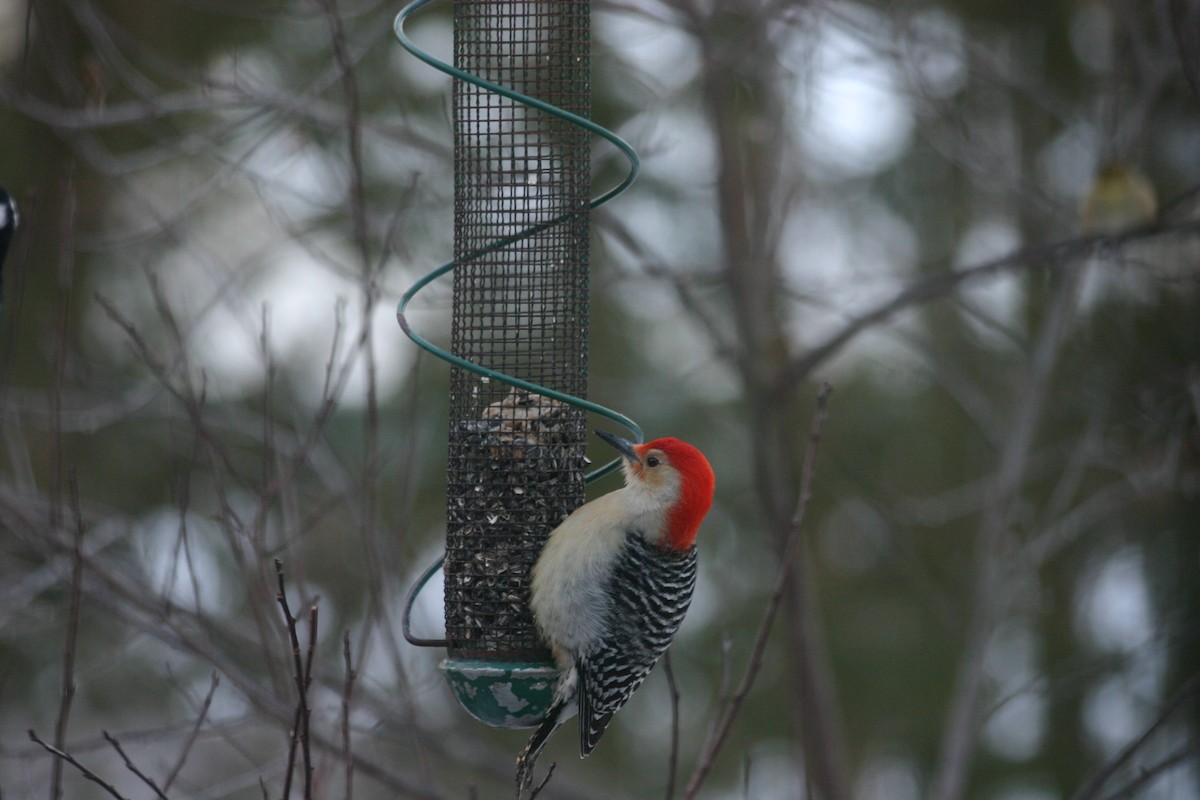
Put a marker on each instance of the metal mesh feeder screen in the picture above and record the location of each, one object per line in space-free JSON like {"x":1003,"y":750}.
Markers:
{"x":516,"y":458}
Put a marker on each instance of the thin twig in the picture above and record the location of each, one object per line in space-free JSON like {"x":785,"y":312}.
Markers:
{"x":358,"y":215}
{"x":146,"y":779}
{"x":1147,"y":774}
{"x":299,"y":732}
{"x":1052,"y":257}
{"x":538,"y":789}
{"x":269,"y":452}
{"x":312,"y":642}
{"x":191,"y":740}
{"x":353,"y":122}
{"x":293,"y":746}
{"x":303,"y":670}
{"x":370,"y":290}
{"x":1095,"y":783}
{"x":62,"y":318}
{"x":66,"y":270}
{"x":61,"y":756}
{"x":718,"y":736}
{"x":76,"y":604}
{"x":346,"y":694}
{"x":305,"y":739}
{"x":673,"y":760}
{"x":172,"y":624}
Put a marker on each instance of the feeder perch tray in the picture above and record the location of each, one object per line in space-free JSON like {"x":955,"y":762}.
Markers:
{"x":503,"y":694}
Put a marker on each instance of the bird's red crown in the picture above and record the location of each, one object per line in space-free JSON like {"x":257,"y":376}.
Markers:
{"x":695,"y":489}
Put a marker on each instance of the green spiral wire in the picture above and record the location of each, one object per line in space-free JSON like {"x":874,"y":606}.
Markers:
{"x":634,"y":166}
{"x":578,"y":402}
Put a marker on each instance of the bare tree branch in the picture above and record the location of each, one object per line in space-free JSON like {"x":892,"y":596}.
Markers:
{"x":673,"y":759}
{"x":68,"y":670}
{"x":1151,"y":773}
{"x":346,"y":694}
{"x":549,"y":773}
{"x":195,"y":732}
{"x":727,"y":715}
{"x":146,"y":779}
{"x":1183,"y":695}
{"x":1054,"y":256}
{"x":300,"y":725}
{"x":62,"y":755}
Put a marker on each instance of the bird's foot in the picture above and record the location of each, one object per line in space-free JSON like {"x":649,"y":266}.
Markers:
{"x":524,"y":774}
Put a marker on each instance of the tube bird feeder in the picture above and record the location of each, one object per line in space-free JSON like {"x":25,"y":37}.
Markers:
{"x":520,"y":308}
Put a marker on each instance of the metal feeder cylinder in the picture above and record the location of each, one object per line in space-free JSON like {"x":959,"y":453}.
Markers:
{"x":516,"y":458}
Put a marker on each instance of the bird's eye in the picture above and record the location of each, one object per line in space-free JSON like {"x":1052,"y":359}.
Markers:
{"x":652,"y":461}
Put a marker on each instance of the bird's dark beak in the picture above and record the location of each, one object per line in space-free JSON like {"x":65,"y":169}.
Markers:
{"x":624,"y":446}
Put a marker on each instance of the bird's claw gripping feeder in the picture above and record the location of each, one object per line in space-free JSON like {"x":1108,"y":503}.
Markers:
{"x":518,"y":338}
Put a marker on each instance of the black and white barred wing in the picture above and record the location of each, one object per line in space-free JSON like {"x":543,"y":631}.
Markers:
{"x":651,"y":590}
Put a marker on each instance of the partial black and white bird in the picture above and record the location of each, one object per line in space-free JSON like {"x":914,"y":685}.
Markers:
{"x":8,"y":226}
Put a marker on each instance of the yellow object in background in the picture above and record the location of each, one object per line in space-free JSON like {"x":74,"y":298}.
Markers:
{"x":1121,"y":197}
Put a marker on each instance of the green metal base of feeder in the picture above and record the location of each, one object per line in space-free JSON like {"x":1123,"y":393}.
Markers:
{"x":503,"y":694}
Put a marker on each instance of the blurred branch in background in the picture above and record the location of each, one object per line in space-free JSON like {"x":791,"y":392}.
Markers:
{"x":302,"y":672}
{"x":993,"y":543}
{"x":981,"y":222}
{"x":732,"y":706}
{"x":1186,"y":694}
{"x":60,"y":757}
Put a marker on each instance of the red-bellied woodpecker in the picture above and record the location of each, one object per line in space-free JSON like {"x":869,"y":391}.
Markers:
{"x":612,"y":584}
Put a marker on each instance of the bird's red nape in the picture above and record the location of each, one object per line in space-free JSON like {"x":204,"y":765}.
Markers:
{"x":695,"y":490}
